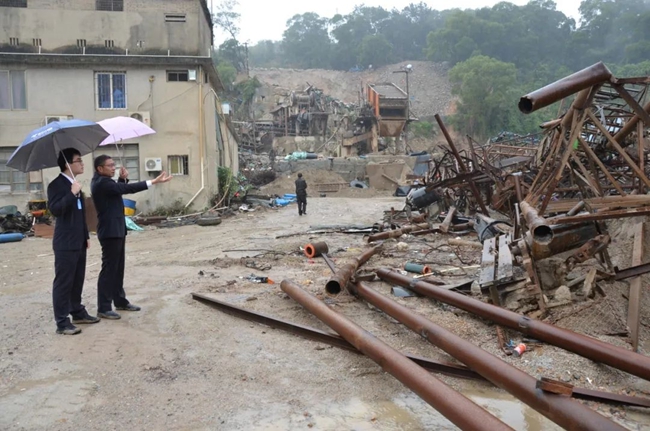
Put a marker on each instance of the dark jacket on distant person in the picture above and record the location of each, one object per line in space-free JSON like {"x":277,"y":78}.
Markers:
{"x":70,"y":229}
{"x":301,"y":187}
{"x":107,"y":196}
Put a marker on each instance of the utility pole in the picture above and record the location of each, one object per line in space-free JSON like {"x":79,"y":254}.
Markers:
{"x":406,"y":70}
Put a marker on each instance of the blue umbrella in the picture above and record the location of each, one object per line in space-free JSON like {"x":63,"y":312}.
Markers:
{"x":41,"y":148}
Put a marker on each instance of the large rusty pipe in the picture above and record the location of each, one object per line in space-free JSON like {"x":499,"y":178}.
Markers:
{"x":565,"y":237}
{"x":397,"y":233}
{"x":461,"y":411}
{"x":587,"y":347}
{"x":537,"y":225}
{"x":567,"y":413}
{"x":341,"y":278}
{"x":558,"y":90}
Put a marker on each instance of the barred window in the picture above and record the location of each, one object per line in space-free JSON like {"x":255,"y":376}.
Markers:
{"x":110,"y":90}
{"x":129,"y":154}
{"x":178,"y":165}
{"x":13,"y":94}
{"x":11,"y":180}
{"x":110,"y":5}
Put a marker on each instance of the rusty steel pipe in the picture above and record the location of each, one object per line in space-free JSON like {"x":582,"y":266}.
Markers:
{"x":341,"y":278}
{"x":587,"y":347}
{"x":565,"y":237}
{"x":397,"y":233}
{"x":567,"y":413}
{"x":537,"y":225}
{"x":316,"y":249}
{"x":461,"y":411}
{"x":558,"y":90}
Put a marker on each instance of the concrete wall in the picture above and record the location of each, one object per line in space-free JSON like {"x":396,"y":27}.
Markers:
{"x":141,"y":27}
{"x":174,"y":108}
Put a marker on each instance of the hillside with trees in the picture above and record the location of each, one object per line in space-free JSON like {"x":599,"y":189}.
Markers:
{"x":495,"y":54}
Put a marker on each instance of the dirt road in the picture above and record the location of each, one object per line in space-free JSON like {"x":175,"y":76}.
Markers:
{"x":180,"y":365}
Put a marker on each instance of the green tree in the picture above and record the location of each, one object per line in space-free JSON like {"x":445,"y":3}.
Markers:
{"x":228,"y":75}
{"x":306,"y":42}
{"x":265,"y":53}
{"x":486,"y":96}
{"x":375,"y":50}
{"x":227,"y":18}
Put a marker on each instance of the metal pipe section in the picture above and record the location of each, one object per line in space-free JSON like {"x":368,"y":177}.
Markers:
{"x":461,"y":411}
{"x":316,"y":249}
{"x":565,"y":237}
{"x":537,"y":225}
{"x":558,"y":90}
{"x":587,"y":347}
{"x":567,"y":413}
{"x":397,"y":233}
{"x":341,"y":278}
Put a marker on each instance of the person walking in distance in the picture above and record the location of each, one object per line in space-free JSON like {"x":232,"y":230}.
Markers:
{"x":111,"y":232}
{"x":301,"y":194}
{"x":70,"y":242}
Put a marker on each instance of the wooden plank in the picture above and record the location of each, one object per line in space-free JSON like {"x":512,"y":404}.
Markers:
{"x":487,"y":262}
{"x":588,"y":285}
{"x":634,"y":299}
{"x":641,"y":148}
{"x":504,"y":266}
{"x":638,"y":109}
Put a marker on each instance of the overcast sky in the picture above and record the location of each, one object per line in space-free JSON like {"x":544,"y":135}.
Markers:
{"x":265,"y":19}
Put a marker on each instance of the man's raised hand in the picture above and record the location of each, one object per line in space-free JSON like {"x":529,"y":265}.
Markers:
{"x":162,"y":178}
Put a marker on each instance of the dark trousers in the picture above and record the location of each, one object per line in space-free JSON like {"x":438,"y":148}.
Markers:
{"x":302,"y":204}
{"x":110,"y":285}
{"x":69,"y":274}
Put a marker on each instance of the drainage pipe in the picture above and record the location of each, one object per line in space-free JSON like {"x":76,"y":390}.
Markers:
{"x":568,"y":413}
{"x":587,"y":347}
{"x":460,"y":410}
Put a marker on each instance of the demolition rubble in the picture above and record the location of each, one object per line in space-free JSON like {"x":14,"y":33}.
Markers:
{"x":546,"y":231}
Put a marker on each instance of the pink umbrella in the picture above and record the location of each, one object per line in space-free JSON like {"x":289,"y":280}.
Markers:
{"x":121,"y":128}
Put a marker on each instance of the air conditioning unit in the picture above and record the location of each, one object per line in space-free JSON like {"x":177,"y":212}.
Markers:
{"x":142,"y":116}
{"x":52,"y":118}
{"x":153,"y":164}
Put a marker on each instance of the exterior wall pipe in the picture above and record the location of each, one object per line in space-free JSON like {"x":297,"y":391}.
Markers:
{"x":582,"y":345}
{"x":558,"y":90}
{"x":567,"y":413}
{"x":537,"y":225}
{"x":398,"y":232}
{"x":342,"y":277}
{"x":460,"y":410}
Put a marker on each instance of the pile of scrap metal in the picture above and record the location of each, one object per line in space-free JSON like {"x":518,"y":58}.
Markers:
{"x":551,"y":398}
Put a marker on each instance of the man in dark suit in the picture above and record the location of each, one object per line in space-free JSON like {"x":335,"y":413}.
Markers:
{"x":111,"y":232}
{"x":71,"y":239}
{"x":301,"y":194}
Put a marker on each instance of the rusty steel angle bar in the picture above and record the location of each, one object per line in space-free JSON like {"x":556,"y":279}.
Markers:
{"x":638,"y":109}
{"x":459,"y":371}
{"x":602,"y":167}
{"x":634,"y":299}
{"x":639,"y":173}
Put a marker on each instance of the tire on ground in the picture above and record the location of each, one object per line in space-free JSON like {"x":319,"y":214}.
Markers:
{"x":209,"y":221}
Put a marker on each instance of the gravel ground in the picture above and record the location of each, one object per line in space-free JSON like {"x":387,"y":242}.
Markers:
{"x":181,"y":365}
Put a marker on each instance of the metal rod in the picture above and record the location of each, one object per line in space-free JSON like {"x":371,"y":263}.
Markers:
{"x":463,"y":168}
{"x":342,"y":277}
{"x":587,"y":347}
{"x":397,"y":232}
{"x":460,"y":410}
{"x":335,"y":340}
{"x":585,"y":78}
{"x":567,"y":413}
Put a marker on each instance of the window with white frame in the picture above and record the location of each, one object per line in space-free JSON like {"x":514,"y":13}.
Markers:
{"x":127,"y":155}
{"x":110,"y":90}
{"x":11,"y":180}
{"x":110,"y":5}
{"x":13,"y":94}
{"x":178,"y":165}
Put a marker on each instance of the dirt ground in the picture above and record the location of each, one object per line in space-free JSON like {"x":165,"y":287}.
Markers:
{"x":181,"y":365}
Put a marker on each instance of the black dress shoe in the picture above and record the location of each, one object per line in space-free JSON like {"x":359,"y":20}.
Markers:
{"x":129,"y":307}
{"x":85,"y":319}
{"x":68,"y":330}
